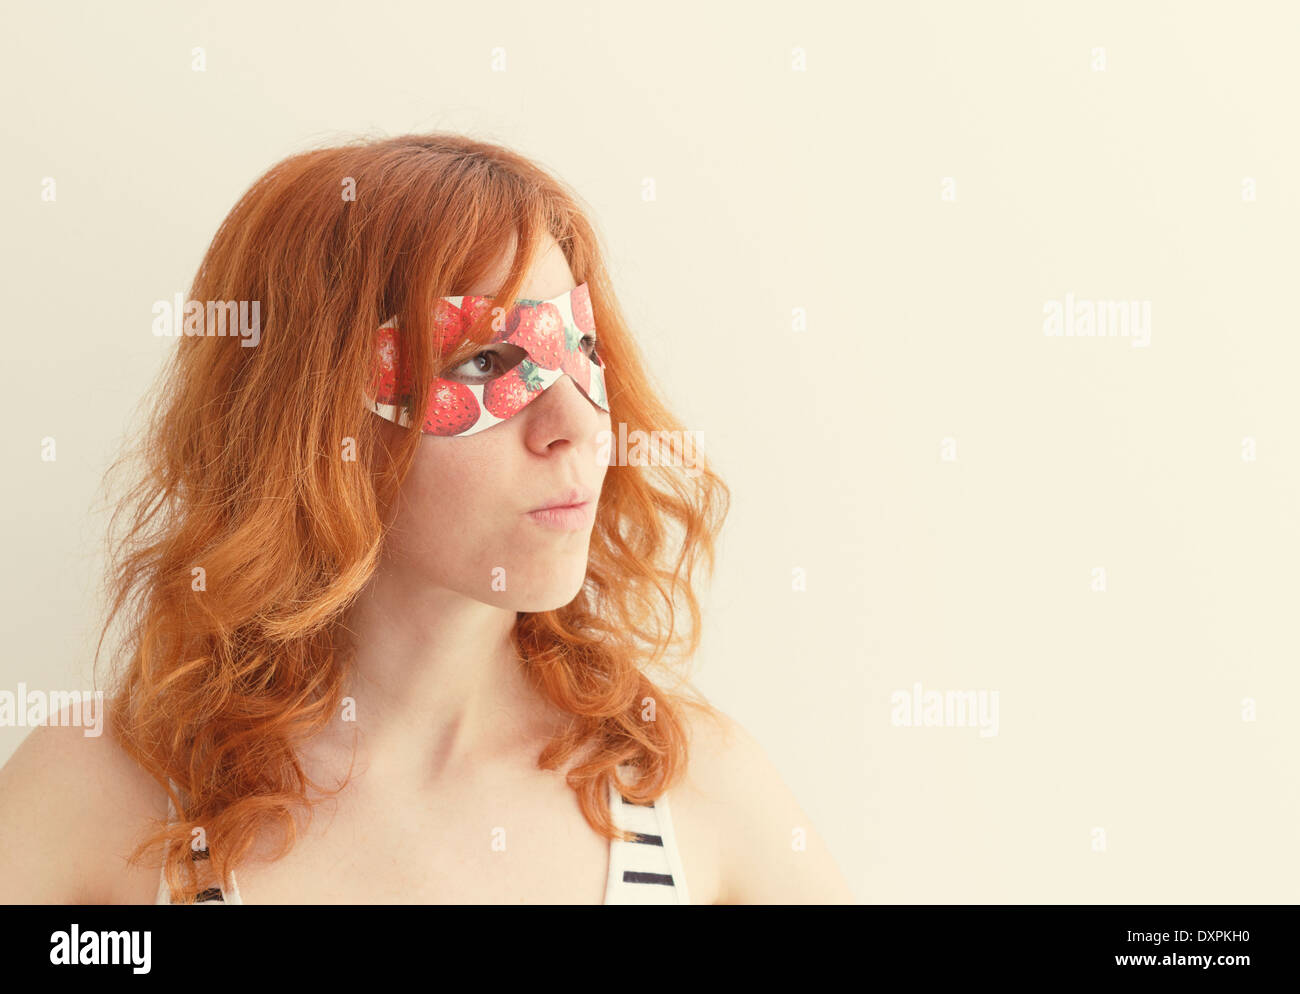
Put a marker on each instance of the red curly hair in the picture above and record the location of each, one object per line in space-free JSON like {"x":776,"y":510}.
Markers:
{"x":240,"y":472}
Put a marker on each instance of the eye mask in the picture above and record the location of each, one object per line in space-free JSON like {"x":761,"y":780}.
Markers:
{"x":551,"y":334}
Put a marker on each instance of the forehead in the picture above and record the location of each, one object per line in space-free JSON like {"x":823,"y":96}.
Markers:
{"x":547,"y":278}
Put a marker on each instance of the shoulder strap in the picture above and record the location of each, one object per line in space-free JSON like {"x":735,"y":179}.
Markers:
{"x":648,"y":869}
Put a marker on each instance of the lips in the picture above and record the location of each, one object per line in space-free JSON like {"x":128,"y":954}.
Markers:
{"x":573,"y":497}
{"x":570,"y":510}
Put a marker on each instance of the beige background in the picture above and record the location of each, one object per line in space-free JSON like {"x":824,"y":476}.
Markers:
{"x":820,"y":189}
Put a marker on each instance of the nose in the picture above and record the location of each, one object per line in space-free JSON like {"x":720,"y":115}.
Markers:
{"x":563,"y":413}
{"x":570,"y":386}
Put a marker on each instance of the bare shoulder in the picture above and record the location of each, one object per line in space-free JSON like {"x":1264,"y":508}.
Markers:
{"x":767,"y":850}
{"x":73,"y":806}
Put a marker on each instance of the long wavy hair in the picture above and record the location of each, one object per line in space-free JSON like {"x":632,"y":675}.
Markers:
{"x":240,"y":471}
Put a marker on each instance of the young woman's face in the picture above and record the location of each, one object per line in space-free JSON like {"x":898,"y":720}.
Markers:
{"x":467,"y":518}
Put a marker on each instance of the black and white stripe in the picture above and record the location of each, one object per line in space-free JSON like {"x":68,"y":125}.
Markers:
{"x":209,"y":895}
{"x":647,"y":869}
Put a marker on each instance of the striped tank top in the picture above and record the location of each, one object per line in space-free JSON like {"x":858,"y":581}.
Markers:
{"x":646,"y":870}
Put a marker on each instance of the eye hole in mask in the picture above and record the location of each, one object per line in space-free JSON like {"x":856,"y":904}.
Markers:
{"x":538,"y":342}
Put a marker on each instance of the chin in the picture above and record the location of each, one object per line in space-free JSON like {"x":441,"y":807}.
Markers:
{"x":550,"y":595}
{"x":548,"y":600}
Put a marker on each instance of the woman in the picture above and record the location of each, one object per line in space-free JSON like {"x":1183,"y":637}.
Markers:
{"x":383,"y":566}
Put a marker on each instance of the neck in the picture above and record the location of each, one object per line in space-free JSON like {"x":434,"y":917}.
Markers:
{"x":439,"y":691}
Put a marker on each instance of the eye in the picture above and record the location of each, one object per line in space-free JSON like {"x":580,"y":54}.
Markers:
{"x":589,"y":346}
{"x":486,"y":365}
{"x":477,"y":369}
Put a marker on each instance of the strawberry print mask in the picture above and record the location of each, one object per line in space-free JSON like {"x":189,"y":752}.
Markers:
{"x":552,"y":333}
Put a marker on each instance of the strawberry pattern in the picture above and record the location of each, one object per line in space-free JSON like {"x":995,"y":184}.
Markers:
{"x":551,"y":333}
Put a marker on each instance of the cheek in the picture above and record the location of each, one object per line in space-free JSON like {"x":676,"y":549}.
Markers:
{"x":455,"y":502}
{"x":462,"y":523}
{"x":606,"y":440}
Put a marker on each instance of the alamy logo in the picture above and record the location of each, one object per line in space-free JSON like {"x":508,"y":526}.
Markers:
{"x":1098,"y":319}
{"x":25,"y":708}
{"x":78,"y":948}
{"x":918,"y":708}
{"x":213,"y":317}
{"x":679,"y":448}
